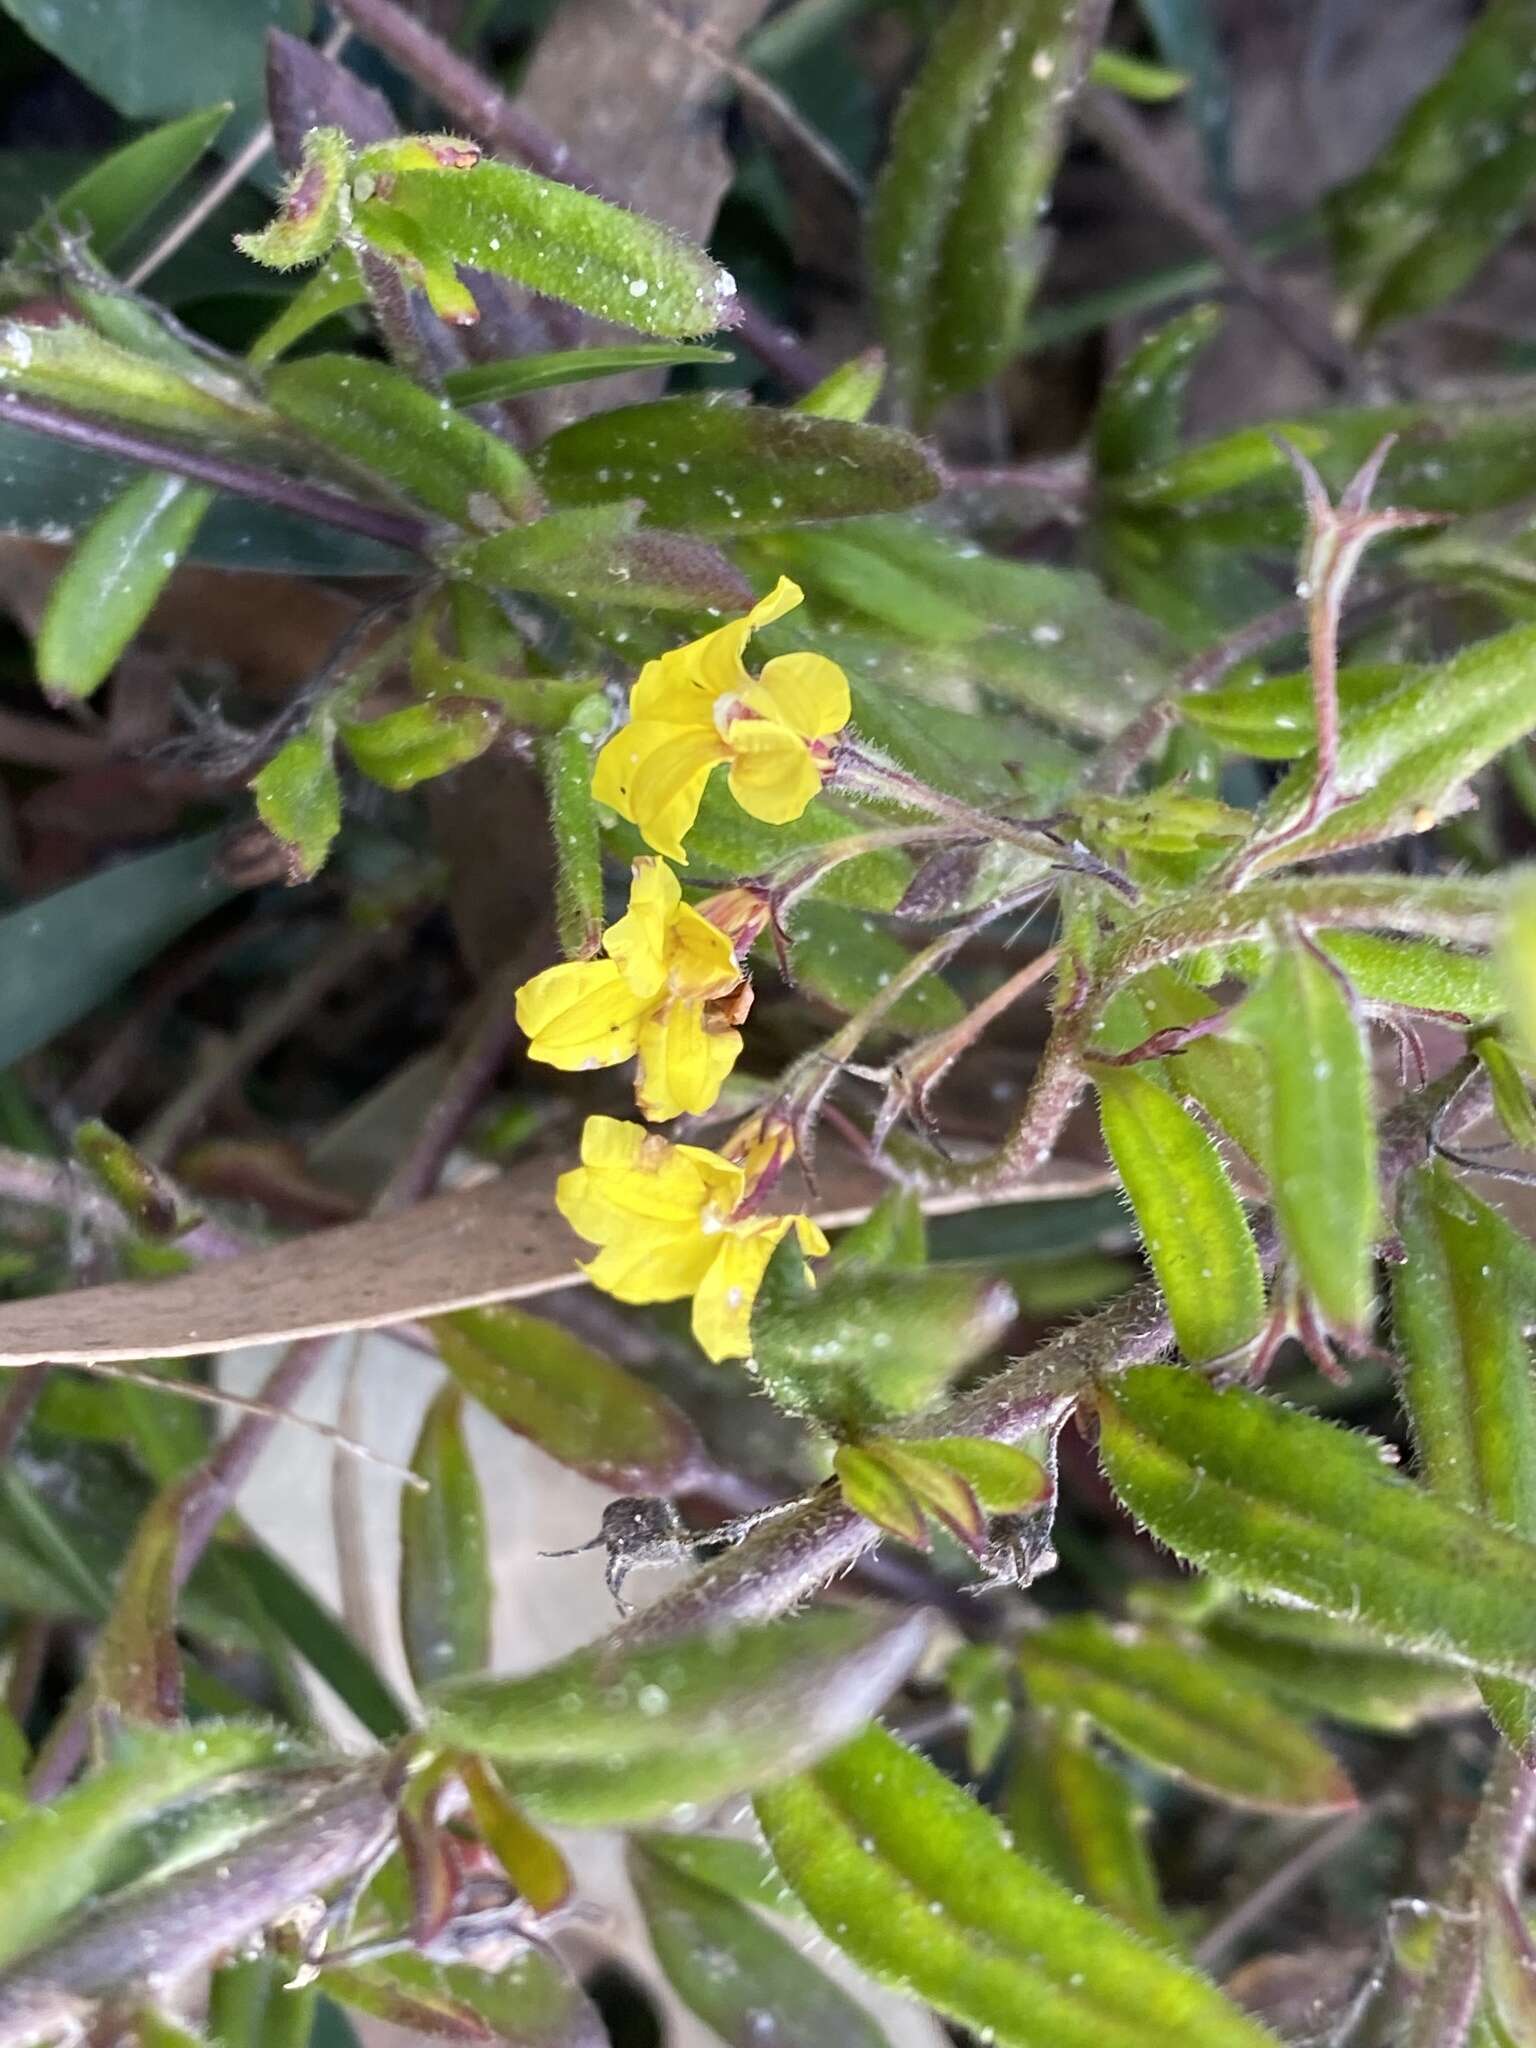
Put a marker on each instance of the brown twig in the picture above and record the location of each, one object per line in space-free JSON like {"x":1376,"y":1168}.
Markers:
{"x":1123,"y":136}
{"x":338,"y":959}
{"x":223,"y":472}
{"x":479,"y":105}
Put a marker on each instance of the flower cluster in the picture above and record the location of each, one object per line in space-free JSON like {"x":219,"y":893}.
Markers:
{"x":670,"y":988}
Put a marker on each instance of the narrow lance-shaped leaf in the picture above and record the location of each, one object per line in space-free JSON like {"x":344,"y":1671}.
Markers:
{"x":1336,"y":1667}
{"x":516,"y":376}
{"x":1183,"y":1709}
{"x":136,"y":1669}
{"x":954,"y":232}
{"x":1289,"y":1508}
{"x":1320,"y":1141}
{"x":1217,"y":1072}
{"x":445,"y":1578}
{"x":715,"y":465}
{"x":298,"y":799}
{"x":1461,"y":1299}
{"x":1511,"y":1092}
{"x":614,"y":1738}
{"x":1275,"y":717}
{"x":732,"y":1864}
{"x":576,"y":1405}
{"x":1192,"y":1223}
{"x":108,"y":587}
{"x":126,"y":186}
{"x":744,"y":1980}
{"x":532,"y":2000}
{"x":389,"y":427}
{"x":592,"y":554}
{"x":848,"y":392}
{"x":567,"y":244}
{"x":1408,"y":760}
{"x":1451,"y":184}
{"x":1140,"y":413}
{"x":915,"y":1881}
{"x":1516,"y":960}
{"x":69,"y":951}
{"x":1072,"y":1811}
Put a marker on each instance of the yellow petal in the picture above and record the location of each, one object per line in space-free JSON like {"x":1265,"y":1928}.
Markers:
{"x":722,"y":1306}
{"x":675,"y":689}
{"x":807,"y":691}
{"x":681,"y":686}
{"x":813,"y":1239}
{"x":699,"y":961}
{"x":580,"y":1014}
{"x":772,"y":774}
{"x":682,"y":1065}
{"x":638,"y":941}
{"x":631,"y":1181}
{"x":658,"y":1267}
{"x":667,"y":785}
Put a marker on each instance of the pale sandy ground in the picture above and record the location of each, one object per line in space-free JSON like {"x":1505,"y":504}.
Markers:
{"x":543,"y":1607}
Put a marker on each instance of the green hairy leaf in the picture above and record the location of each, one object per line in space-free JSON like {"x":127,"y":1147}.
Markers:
{"x":914,"y":1881}
{"x":955,"y":218}
{"x":1192,"y":1224}
{"x":388,"y":426}
{"x":1183,"y":1710}
{"x":606,"y":1738}
{"x":1288,"y":1507}
{"x":1320,"y":1141}
{"x":111,"y":582}
{"x":712,"y":465}
{"x":1461,"y":1302}
{"x":614,"y":264}
{"x":57,"y":1857}
{"x":1411,"y":230}
{"x":1072,"y":1812}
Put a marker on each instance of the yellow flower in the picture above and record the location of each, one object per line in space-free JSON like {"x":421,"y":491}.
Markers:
{"x":698,"y":706}
{"x":667,"y":1220}
{"x":669,"y":992}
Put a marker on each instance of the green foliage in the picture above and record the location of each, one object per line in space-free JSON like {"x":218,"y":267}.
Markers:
{"x":711,"y":465}
{"x":1192,"y":1224}
{"x":1320,"y":1139}
{"x":112,"y":580}
{"x":1055,"y":792}
{"x":740,"y":1976}
{"x":379,"y":420}
{"x":567,"y":1398}
{"x":915,"y":1880}
{"x":1183,"y":1710}
{"x":1420,"y":221}
{"x":445,"y":1576}
{"x":600,"y":1740}
{"x":954,"y":225}
{"x":1291,"y":1508}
